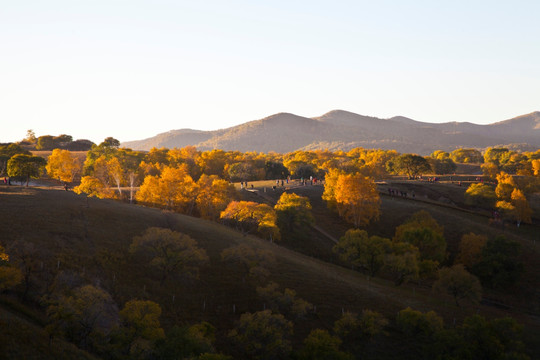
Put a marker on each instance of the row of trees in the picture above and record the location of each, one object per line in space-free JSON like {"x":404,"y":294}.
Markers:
{"x":508,"y":198}
{"x":50,"y":142}
{"x":418,"y":250}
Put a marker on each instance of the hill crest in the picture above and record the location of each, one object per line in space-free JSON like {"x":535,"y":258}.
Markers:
{"x":342,"y":130}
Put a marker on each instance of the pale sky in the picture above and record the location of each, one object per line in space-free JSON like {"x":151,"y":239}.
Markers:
{"x":132,"y":69}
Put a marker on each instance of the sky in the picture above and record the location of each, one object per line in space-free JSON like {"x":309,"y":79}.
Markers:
{"x":133,"y":69}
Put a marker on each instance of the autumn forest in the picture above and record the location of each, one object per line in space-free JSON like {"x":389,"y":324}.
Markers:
{"x":112,"y":253}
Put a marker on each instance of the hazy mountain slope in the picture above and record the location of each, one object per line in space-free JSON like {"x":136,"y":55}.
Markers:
{"x":344,"y":130}
{"x":171,"y":139}
{"x":524,"y":128}
{"x":281,"y":132}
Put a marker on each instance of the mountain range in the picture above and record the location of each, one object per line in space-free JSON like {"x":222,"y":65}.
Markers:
{"x":343,"y":130}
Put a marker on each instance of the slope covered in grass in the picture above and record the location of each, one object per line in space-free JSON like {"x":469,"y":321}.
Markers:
{"x":91,"y":237}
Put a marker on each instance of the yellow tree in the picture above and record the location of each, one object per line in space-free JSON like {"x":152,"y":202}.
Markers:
{"x":249,"y":216}
{"x":174,"y":190}
{"x":62,"y":165}
{"x":92,"y":186}
{"x":357,"y":199}
{"x":330,"y":181}
{"x":214,"y":196}
{"x":505,"y":186}
{"x":187,"y":155}
{"x":523,"y":211}
{"x":212,"y":162}
{"x":536,"y":167}
{"x":116,"y":172}
{"x":490,"y":170}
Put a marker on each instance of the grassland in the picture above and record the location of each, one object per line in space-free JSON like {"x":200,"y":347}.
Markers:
{"x":92,"y":237}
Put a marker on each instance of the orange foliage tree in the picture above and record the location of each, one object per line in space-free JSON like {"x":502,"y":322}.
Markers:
{"x":249,"y":216}
{"x":214,"y":196}
{"x":174,"y":190}
{"x":523,"y":211}
{"x":357,"y":199}
{"x":62,"y":165}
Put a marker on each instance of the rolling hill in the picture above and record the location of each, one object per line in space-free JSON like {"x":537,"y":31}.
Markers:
{"x":338,"y":129}
{"x":87,"y":241}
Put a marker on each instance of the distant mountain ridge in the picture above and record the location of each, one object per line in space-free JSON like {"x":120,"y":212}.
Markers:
{"x":343,"y":130}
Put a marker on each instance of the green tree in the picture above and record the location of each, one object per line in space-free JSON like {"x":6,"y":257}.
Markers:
{"x":467,"y":156}
{"x":496,"y":339}
{"x":354,"y":329}
{"x":7,"y":151}
{"x":254,"y":262}
{"x":170,"y":252}
{"x":415,"y":323}
{"x":418,"y":220}
{"x":442,"y":166}
{"x":500,"y":264}
{"x":262,"y":336}
{"x":481,"y":195}
{"x":27,"y":257}
{"x":285,"y":302}
{"x":10,"y":276}
{"x":402,"y":262}
{"x":497,"y":156}
{"x":86,"y":316}
{"x":459,"y":283}
{"x":363,"y":251}
{"x":320,"y":345}
{"x":108,"y":148}
{"x":275,"y":170}
{"x":26,"y":167}
{"x":140,"y":328}
{"x":46,"y":142}
{"x":470,"y":249}
{"x":411,"y":165}
{"x":431,"y":244}
{"x":293,"y":214}
{"x":193,"y":342}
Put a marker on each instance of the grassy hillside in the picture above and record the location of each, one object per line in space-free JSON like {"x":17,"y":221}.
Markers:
{"x":92,"y":237}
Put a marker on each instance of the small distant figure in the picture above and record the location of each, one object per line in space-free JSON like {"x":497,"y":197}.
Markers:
{"x":5,"y":180}
{"x":252,"y":186}
{"x":66,"y":187}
